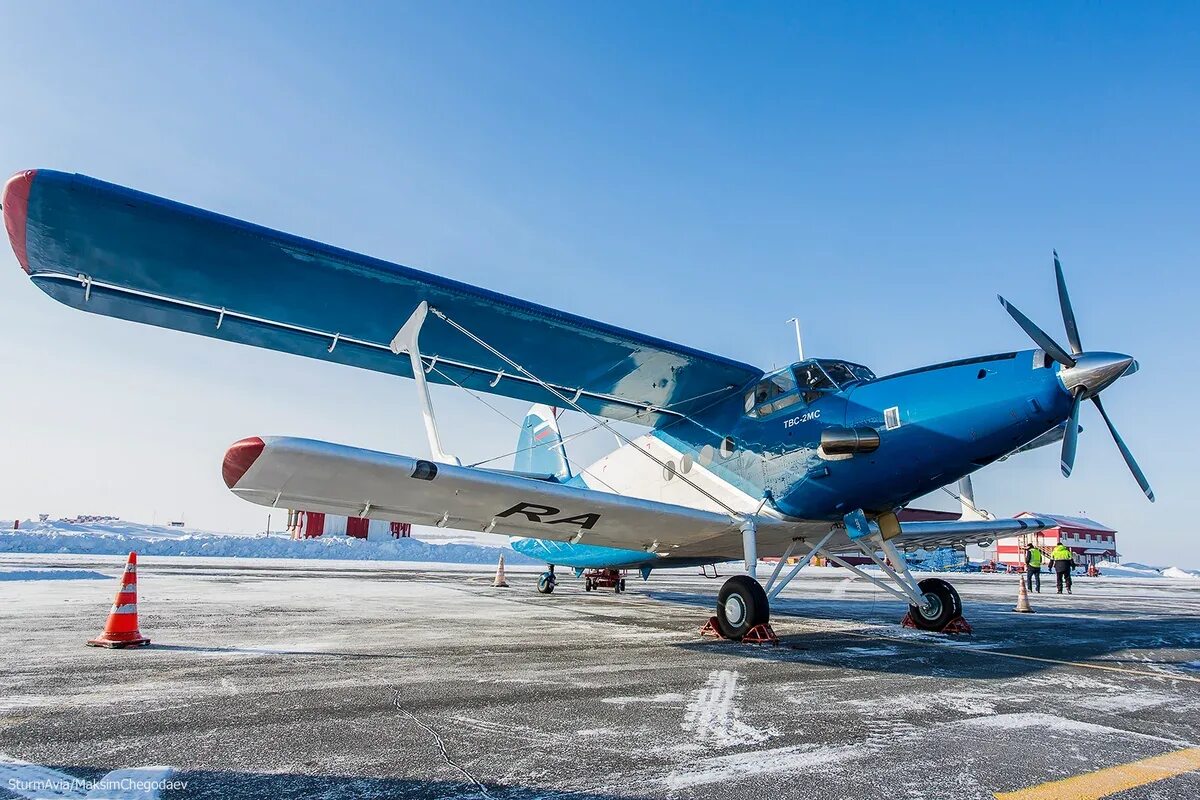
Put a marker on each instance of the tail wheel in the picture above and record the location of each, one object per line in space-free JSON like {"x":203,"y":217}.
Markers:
{"x":546,"y":582}
{"x":741,"y":604}
{"x":943,"y":605}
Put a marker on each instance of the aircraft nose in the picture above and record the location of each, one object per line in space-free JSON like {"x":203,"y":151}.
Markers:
{"x":1096,"y":371}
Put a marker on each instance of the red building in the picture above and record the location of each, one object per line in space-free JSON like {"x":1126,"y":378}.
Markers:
{"x":1087,"y":539}
{"x":311,"y":524}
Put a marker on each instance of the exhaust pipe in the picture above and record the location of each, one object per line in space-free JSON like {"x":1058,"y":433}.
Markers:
{"x":849,"y":441}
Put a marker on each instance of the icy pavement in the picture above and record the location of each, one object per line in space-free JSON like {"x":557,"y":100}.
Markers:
{"x":351,"y":679}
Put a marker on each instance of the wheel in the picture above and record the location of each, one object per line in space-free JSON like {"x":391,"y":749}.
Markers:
{"x":587,"y":584}
{"x":617,"y":587}
{"x":741,"y":604}
{"x":944,"y":605}
{"x":546,"y":582}
{"x":622,"y":584}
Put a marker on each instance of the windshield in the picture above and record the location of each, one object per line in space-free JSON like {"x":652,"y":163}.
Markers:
{"x":825,"y":375}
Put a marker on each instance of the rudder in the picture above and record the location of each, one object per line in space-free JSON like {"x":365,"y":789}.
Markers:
{"x":540,"y":448}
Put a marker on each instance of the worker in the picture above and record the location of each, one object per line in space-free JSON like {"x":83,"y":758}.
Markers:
{"x":1064,"y":562}
{"x":1033,"y":568}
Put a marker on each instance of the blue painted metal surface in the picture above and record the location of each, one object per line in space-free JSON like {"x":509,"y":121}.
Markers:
{"x":590,"y":556}
{"x":163,"y":263}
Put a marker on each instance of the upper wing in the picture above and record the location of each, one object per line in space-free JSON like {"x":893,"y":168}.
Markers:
{"x":110,"y":250}
{"x":319,"y":476}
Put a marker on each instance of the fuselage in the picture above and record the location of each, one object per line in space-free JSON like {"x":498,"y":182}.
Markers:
{"x":922,"y":429}
{"x":934,"y":425}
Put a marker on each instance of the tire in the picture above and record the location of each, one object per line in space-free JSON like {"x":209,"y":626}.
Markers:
{"x":945,"y":605}
{"x":587,"y":584}
{"x":546,"y":582}
{"x":741,"y":604}
{"x":622,"y":585}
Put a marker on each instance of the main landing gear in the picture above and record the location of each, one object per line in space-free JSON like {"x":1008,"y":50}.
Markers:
{"x":743,"y":604}
{"x":942,"y":605}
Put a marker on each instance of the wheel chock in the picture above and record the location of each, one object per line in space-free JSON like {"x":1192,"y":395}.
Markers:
{"x":759,"y":634}
{"x":762,"y":633}
{"x":956,"y":625}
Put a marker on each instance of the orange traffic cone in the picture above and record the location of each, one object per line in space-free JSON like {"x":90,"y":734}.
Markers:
{"x":500,"y":579}
{"x":1023,"y":598}
{"x":122,"y":628}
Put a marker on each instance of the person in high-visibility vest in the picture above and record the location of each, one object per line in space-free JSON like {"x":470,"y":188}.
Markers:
{"x":1064,"y":562}
{"x":1033,"y":568}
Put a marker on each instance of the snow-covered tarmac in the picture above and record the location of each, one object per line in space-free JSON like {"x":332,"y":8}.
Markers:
{"x":352,"y":679}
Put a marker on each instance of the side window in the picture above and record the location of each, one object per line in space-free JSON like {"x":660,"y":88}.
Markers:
{"x":772,"y":394}
{"x":813,"y":381}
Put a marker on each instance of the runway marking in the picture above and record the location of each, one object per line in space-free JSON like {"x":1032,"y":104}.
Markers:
{"x":1105,"y":782}
{"x":711,"y":714}
{"x":1062,"y":662}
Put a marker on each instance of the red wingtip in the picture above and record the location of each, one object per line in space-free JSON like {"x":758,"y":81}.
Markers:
{"x":240,"y":457}
{"x":16,"y":210}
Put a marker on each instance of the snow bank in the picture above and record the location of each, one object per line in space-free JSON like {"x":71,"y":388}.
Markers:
{"x":1108,"y":569}
{"x":51,"y":575}
{"x":1133,"y":570}
{"x":1181,"y":574}
{"x":118,"y":538}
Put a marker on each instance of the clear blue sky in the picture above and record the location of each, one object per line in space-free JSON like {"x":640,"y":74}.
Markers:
{"x":698,"y":171}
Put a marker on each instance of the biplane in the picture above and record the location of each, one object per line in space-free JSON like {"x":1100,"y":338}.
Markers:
{"x":735,"y":461}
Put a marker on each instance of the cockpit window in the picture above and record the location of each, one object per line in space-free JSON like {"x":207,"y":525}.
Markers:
{"x":810,"y":375}
{"x":822,"y":375}
{"x":805,"y":381}
{"x":839,"y":372}
{"x":861,"y":373}
{"x":771,"y":394}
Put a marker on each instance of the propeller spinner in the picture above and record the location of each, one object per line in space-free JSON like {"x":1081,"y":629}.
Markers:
{"x":1084,"y":374}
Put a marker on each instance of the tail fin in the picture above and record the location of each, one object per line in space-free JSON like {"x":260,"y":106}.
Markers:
{"x":966,"y":496}
{"x":540,"y":448}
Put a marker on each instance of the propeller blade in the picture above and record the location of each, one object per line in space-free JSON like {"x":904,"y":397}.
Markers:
{"x":1038,"y":335}
{"x":1128,"y":456}
{"x":1071,"y":436}
{"x":1064,"y":300}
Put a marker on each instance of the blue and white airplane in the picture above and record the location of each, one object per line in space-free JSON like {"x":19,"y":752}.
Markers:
{"x":813,"y":459}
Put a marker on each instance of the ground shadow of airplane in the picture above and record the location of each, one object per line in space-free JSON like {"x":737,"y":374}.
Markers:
{"x":1013,"y":644}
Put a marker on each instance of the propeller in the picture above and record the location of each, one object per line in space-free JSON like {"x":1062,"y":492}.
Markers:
{"x":1084,"y":374}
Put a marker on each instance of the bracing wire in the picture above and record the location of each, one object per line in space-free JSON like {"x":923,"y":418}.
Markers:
{"x":574,"y":405}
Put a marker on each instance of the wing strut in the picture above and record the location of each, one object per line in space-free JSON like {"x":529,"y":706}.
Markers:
{"x":405,"y":341}
{"x":734,"y":513}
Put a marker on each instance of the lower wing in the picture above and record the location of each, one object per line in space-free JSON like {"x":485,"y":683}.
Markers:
{"x":963,"y":532}
{"x":319,"y":476}
{"x":289,"y":472}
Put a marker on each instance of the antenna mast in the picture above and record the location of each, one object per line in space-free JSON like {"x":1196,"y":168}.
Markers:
{"x":799,"y":341}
